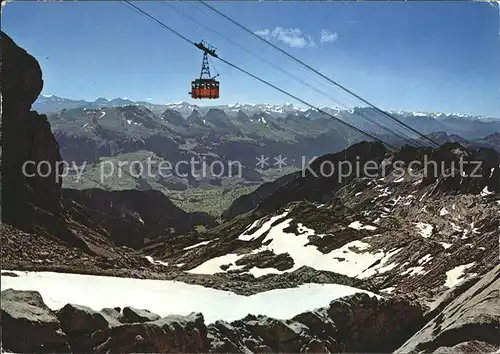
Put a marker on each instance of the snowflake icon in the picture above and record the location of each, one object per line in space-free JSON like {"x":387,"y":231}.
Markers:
{"x":280,"y":161}
{"x":262,"y":161}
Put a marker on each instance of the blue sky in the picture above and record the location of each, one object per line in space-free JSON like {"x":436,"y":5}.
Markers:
{"x":416,"y":56}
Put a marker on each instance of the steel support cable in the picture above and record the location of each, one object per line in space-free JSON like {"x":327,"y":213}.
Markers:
{"x":264,"y":81}
{"x":306,"y":103}
{"x":320,"y":74}
{"x":143,"y":13}
{"x":398,"y":134}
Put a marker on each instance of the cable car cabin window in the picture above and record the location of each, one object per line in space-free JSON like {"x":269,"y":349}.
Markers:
{"x":205,"y":88}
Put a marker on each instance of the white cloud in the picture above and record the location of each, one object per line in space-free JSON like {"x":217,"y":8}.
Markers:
{"x":263,"y":33}
{"x":293,"y":37}
{"x":328,"y":37}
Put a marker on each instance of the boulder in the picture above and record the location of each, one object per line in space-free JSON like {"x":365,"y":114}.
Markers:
{"x":76,"y":320}
{"x":172,"y":334}
{"x":28,"y":325}
{"x":367,"y":323}
{"x":132,"y":315}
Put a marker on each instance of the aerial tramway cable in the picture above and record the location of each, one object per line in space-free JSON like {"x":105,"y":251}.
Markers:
{"x":307,"y":66}
{"x":398,"y":134}
{"x":392,"y":147}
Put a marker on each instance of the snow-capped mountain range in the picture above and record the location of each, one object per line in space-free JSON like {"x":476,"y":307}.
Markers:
{"x":51,"y":103}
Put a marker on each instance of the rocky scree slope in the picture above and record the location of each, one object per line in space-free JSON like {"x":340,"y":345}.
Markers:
{"x":397,"y":233}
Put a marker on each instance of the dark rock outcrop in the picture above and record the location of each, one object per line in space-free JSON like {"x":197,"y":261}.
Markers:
{"x":455,"y":168}
{"x":358,"y":323}
{"x":132,"y":315}
{"x":27,"y":143}
{"x":171,"y":334}
{"x":28,"y":325}
{"x":266,"y":259}
{"x":76,"y":319}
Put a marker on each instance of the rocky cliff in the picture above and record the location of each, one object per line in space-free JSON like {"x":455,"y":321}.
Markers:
{"x":30,"y":202}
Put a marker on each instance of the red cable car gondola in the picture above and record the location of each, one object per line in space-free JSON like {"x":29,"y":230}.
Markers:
{"x":206,"y":86}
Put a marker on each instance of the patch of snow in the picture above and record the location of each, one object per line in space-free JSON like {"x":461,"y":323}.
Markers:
{"x":58,"y":289}
{"x":454,"y":275}
{"x":424,"y":259}
{"x":153,"y":261}
{"x":443,"y":212}
{"x":455,"y":226}
{"x":445,"y":245}
{"x":486,"y":192}
{"x":265,"y":227}
{"x":358,"y":226}
{"x":410,"y":200}
{"x":381,"y":267}
{"x":395,"y":201}
{"x":473,"y":229}
{"x":202,"y":243}
{"x":425,"y":230}
{"x":359,"y":193}
{"x":384,"y":193}
{"x":414,"y":271}
{"x":399,"y":180}
{"x":388,"y":290}
{"x":351,"y":259}
{"x":212,"y":266}
{"x":417,"y":182}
